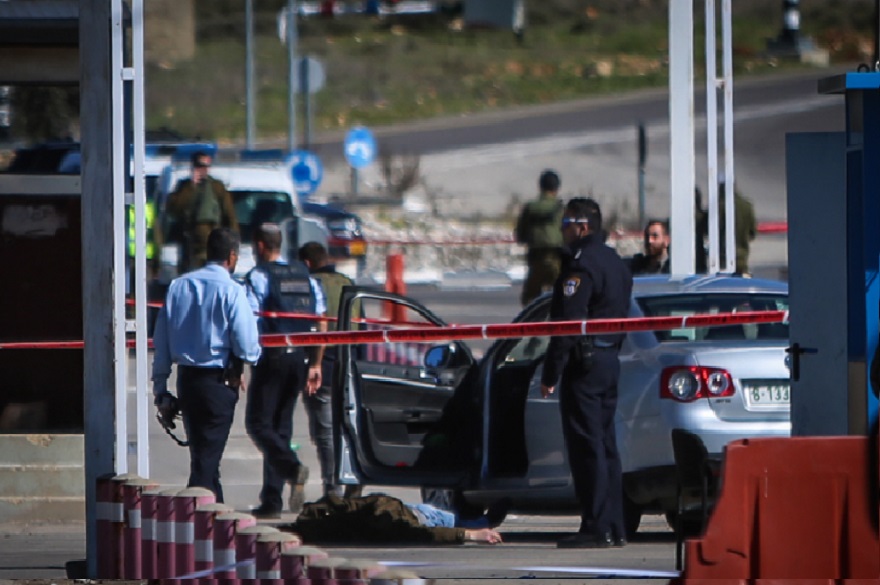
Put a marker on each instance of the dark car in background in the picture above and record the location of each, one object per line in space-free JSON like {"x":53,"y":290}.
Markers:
{"x":346,"y":243}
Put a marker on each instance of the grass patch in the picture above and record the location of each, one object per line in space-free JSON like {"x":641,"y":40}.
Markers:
{"x":381,"y":72}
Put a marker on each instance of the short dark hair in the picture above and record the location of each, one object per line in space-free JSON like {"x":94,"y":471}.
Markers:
{"x":588,"y":209}
{"x":269,"y":234}
{"x":314,"y":253}
{"x":222,"y":242}
{"x":549,"y":181}
{"x":198,"y":155}
{"x":662,"y":223}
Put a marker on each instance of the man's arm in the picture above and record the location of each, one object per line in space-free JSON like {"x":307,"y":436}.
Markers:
{"x":243,"y":333}
{"x":521,"y":226}
{"x":316,"y":353}
{"x":229,"y":219}
{"x":161,"y":354}
{"x":569,"y":304}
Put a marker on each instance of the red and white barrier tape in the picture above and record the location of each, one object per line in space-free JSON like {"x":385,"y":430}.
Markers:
{"x":493,"y":331}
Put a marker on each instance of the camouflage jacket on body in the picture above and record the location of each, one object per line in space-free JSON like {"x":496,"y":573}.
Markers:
{"x":374,"y":518}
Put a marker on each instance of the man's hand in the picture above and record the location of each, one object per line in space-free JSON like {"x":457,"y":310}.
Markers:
{"x":166,"y":404}
{"x":313,"y":380}
{"x":486,"y":535}
{"x":546,"y":391}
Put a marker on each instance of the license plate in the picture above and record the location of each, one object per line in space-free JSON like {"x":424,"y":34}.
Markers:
{"x":767,"y":392}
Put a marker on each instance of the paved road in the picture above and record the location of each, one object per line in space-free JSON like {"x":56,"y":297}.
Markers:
{"x":486,"y":163}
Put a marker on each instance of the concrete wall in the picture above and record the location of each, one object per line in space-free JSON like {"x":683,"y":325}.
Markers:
{"x":41,"y":478}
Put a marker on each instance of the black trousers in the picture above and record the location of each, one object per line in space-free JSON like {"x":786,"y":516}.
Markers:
{"x":208,"y":407}
{"x":587,"y":401}
{"x":277,"y":381}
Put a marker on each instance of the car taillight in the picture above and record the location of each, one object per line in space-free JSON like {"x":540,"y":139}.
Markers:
{"x":689,"y":383}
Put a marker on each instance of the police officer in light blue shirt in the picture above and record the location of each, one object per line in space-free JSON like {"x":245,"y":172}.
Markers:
{"x":205,"y":324}
{"x":282,"y":372}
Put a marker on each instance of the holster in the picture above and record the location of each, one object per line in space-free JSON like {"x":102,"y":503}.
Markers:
{"x":233,"y":372}
{"x":584,"y":352}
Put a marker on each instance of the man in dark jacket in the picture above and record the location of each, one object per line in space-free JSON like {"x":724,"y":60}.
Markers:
{"x":199,"y":205}
{"x":655,"y":258}
{"x":594,"y":284}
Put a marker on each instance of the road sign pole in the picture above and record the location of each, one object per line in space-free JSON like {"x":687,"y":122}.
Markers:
{"x":307,"y":95}
{"x":291,"y":75}
{"x":354,"y":181}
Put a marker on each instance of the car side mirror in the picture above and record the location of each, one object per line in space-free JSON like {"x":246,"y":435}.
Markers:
{"x":439,"y":356}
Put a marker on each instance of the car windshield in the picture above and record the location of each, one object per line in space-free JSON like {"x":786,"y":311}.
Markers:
{"x":692,"y":304}
{"x":255,"y":207}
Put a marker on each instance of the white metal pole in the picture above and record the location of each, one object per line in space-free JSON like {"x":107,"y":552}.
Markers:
{"x":712,"y":134}
{"x":142,"y":400}
{"x":117,"y":69}
{"x":681,"y":139}
{"x":729,"y":169}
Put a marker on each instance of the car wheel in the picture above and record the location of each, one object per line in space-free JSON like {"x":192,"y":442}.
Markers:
{"x":451,"y":501}
{"x":632,"y":516}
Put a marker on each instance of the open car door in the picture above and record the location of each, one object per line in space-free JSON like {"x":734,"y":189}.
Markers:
{"x":399,"y":419}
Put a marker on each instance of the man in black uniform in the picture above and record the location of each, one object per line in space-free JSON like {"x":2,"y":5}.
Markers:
{"x":279,"y":376}
{"x":594,"y":284}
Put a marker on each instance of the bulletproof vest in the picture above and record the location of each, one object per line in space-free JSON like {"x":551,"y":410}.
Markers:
{"x":544,"y":223}
{"x":289,"y":292}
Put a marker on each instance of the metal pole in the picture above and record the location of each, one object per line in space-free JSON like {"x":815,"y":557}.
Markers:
{"x":249,"y":72}
{"x":729,"y":168}
{"x":100,"y":26}
{"x":643,"y":156}
{"x":354,"y":181}
{"x":307,"y":96}
{"x":140,"y":257}
{"x":712,"y":134}
{"x":681,"y":139}
{"x":291,"y":75}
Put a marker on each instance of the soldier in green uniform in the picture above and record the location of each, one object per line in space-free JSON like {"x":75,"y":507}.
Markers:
{"x":318,"y":405}
{"x":538,"y":228}
{"x":199,"y":205}
{"x":745,"y":227}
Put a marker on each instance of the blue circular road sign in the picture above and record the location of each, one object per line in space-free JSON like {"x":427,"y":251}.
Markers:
{"x":307,"y":171}
{"x":360,"y":147}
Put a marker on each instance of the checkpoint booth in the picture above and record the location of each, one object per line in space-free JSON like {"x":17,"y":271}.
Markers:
{"x":41,"y":390}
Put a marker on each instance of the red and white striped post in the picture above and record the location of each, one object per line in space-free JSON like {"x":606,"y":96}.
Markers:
{"x":323,"y":571}
{"x":113,"y":513}
{"x":269,"y":549}
{"x":357,"y":572}
{"x":226,"y":526}
{"x":185,"y":503}
{"x":246,"y":549}
{"x":103,"y":519}
{"x":149,"y":558}
{"x":294,"y":562}
{"x":204,"y":531}
{"x":166,"y":518}
{"x":132,"y":494}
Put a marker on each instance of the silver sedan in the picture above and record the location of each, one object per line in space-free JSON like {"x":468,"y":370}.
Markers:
{"x":471,"y":432}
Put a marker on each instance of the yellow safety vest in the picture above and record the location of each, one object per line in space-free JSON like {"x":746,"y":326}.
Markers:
{"x":150,"y":213}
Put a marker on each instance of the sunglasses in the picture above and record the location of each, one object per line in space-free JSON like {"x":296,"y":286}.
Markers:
{"x":201,"y":165}
{"x":567,"y":221}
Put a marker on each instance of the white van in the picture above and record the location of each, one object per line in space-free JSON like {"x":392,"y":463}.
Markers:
{"x":261,"y":191}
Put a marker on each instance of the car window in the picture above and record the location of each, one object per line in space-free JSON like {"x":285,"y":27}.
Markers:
{"x":691,"y":304}
{"x":255,"y":207}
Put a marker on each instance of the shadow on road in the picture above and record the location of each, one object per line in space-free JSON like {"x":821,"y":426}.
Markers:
{"x":514,"y":536}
